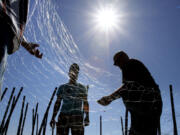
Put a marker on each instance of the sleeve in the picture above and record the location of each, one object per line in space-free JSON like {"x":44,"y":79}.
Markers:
{"x":85,"y":90}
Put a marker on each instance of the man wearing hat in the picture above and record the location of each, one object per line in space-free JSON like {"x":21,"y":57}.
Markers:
{"x":140,"y":94}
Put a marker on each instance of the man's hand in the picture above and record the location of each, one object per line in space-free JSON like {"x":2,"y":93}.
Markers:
{"x":105,"y":100}
{"x":52,"y":123}
{"x":34,"y":51}
{"x":86,"y":121}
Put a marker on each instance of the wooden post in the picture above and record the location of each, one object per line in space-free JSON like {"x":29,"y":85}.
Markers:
{"x":173,"y":110}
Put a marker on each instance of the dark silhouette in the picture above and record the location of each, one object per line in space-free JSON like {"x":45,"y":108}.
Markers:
{"x":140,"y":94}
{"x":73,"y":97}
{"x":12,"y":25}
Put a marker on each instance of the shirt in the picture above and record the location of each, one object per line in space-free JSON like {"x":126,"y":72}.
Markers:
{"x":72,"y":96}
{"x":141,"y":90}
{"x":135,"y":71}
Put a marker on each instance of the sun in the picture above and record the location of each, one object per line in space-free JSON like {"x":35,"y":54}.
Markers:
{"x":106,"y":19}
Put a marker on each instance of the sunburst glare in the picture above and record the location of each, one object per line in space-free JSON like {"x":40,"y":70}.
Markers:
{"x":106,"y":19}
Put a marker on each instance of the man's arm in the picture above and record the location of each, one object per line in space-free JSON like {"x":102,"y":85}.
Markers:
{"x":118,"y":93}
{"x":86,"y":111}
{"x":55,"y":110}
{"x":31,"y":48}
{"x":106,"y":100}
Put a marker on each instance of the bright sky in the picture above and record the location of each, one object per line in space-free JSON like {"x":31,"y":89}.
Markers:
{"x":68,"y":32}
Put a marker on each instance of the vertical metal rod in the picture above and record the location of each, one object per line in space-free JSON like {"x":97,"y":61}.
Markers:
{"x":34,"y":115}
{"x":21,"y":117}
{"x":126,"y":122}
{"x":122,"y":126}
{"x":47,"y":111}
{"x":33,"y":121}
{"x":100,"y":125}
{"x":37,"y":124}
{"x":5,"y":128}
{"x":173,"y":110}
{"x":18,"y":95}
{"x":15,"y":100}
{"x":24,"y":119}
{"x":45,"y":123}
{"x":4,"y":92}
{"x":7,"y":108}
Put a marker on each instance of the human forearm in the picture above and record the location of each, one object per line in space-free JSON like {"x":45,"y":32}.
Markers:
{"x":86,"y":110}
{"x":117,"y":94}
{"x":56,"y":108}
{"x":106,"y":100}
{"x":25,"y":44}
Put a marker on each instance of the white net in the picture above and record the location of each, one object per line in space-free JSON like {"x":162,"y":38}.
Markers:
{"x":40,"y":77}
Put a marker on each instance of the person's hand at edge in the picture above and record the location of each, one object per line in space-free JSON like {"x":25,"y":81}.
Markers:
{"x":86,"y":121}
{"x":106,"y":100}
{"x":34,"y":51}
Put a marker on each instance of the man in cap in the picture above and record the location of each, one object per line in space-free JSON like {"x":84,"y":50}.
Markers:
{"x":140,"y":94}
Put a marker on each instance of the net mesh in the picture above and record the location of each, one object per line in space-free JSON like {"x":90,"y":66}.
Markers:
{"x":40,"y":77}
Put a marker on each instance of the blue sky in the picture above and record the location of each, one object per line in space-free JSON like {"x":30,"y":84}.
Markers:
{"x":64,"y":29}
{"x":151,"y":34}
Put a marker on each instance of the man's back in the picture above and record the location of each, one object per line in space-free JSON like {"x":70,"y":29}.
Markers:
{"x":142,"y":98}
{"x":135,"y":70}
